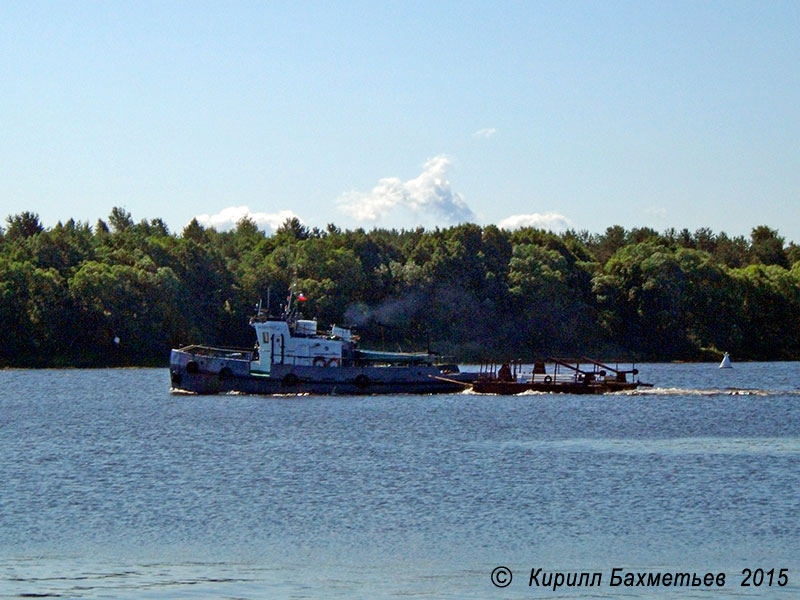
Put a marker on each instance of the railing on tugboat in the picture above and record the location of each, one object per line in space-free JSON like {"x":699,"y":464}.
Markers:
{"x":229,"y":353}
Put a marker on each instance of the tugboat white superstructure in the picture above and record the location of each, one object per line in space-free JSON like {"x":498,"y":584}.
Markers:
{"x":292,"y":357}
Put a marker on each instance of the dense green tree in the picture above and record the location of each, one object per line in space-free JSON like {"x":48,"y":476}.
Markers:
{"x":23,"y":225}
{"x":195,"y":232}
{"x":331,"y":278}
{"x":732,"y":252}
{"x":705,"y":240}
{"x":543,"y":301}
{"x":120,"y":220}
{"x":62,"y":248}
{"x":68,"y":292}
{"x":606,"y":245}
{"x":52,"y":320}
{"x":14,"y":294}
{"x":642,"y":291}
{"x":793,"y":253}
{"x":710,"y":302}
{"x":292,"y":230}
{"x":766,"y":247}
{"x":769,"y":311}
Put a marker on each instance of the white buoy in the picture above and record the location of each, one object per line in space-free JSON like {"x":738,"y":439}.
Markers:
{"x":726,"y":362}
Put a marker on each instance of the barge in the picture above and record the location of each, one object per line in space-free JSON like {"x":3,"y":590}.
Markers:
{"x":567,"y":376}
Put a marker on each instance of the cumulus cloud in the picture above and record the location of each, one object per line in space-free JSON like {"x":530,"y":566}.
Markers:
{"x":227,"y":218}
{"x":550,"y":221}
{"x":428,"y":194}
{"x":485,"y":133}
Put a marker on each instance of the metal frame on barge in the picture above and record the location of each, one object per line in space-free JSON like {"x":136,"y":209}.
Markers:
{"x":568,"y":376}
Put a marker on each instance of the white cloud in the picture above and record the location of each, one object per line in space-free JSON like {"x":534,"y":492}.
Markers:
{"x":429,"y":193}
{"x":227,"y":218}
{"x":550,"y":221}
{"x":656,"y":211}
{"x":485,"y":133}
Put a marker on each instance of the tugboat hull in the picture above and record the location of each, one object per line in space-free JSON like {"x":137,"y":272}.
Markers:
{"x":196,"y":372}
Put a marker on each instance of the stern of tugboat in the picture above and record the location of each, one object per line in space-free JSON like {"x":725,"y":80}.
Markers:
{"x":205,"y":370}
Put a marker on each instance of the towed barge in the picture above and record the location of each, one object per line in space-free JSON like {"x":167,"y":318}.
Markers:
{"x":567,"y":376}
{"x":292,"y":357}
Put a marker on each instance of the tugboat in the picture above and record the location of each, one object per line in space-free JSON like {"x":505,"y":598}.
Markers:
{"x":292,"y":357}
{"x":567,"y":376}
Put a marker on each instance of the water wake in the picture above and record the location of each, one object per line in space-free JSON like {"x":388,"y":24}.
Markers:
{"x":675,"y":391}
{"x":666,"y":391}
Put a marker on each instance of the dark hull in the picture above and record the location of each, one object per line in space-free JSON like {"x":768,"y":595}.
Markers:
{"x":562,"y":387}
{"x":210,"y":384}
{"x":207,"y":375}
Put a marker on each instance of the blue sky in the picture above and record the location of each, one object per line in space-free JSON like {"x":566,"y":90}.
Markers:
{"x":397,"y":114}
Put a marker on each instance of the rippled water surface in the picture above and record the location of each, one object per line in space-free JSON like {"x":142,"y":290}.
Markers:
{"x":112,"y":488}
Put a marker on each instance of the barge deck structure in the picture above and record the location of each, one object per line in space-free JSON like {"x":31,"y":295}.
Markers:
{"x":567,"y":376}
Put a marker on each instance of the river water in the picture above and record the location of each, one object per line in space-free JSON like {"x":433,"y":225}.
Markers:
{"x":110,"y":487}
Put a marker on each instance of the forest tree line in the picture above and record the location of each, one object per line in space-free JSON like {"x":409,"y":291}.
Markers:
{"x":123,"y":292}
